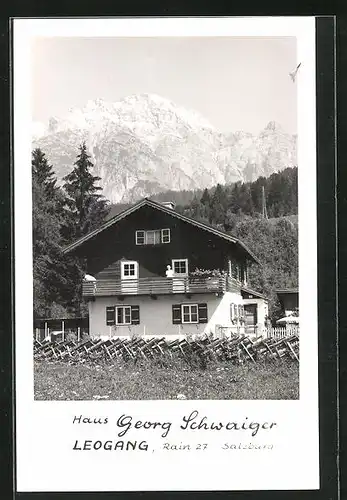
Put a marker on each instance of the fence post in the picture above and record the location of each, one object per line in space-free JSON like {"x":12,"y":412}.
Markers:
{"x":62,"y":330}
{"x":37,"y":334}
{"x":45,"y":329}
{"x":78,"y":334}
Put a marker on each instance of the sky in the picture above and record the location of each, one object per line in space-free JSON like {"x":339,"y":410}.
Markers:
{"x":235,"y":83}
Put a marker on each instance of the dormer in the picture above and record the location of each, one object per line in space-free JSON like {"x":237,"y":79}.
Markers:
{"x":168,"y":204}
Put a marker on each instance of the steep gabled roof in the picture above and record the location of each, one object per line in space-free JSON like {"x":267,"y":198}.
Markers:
{"x":162,"y":208}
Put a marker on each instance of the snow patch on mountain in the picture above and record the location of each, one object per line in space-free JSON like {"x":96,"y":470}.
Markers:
{"x":144,"y":144}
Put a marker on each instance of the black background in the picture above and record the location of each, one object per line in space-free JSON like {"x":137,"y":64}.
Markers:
{"x":328,"y":208}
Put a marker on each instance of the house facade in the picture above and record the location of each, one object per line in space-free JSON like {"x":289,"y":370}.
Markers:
{"x":151,"y":271}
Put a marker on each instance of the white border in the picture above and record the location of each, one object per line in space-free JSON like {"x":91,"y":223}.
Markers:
{"x":41,"y":454}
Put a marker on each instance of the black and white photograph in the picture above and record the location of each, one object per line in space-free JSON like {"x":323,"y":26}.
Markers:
{"x":168,"y":248}
{"x":165,"y":218}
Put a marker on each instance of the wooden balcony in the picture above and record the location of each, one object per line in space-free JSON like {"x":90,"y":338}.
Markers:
{"x":159,"y":286}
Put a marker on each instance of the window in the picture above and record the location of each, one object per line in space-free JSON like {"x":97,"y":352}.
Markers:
{"x":140,"y":237}
{"x":234,"y":270}
{"x":236,"y":312}
{"x":232,"y":312}
{"x":189,"y":313}
{"x":152,"y":237}
{"x":122,"y":315}
{"x":165,"y":235}
{"x":180,"y":267}
{"x":245,"y":273}
{"x":129,"y":269}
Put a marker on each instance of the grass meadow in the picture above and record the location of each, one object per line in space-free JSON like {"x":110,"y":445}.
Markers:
{"x":269,"y":379}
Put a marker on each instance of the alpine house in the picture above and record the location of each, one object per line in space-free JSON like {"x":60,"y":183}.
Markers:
{"x":153,"y":271}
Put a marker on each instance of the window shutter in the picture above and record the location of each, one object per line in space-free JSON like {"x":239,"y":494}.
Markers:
{"x":202,"y":308}
{"x":232,"y":315}
{"x":135,"y":315}
{"x":176,"y":314}
{"x":110,"y":316}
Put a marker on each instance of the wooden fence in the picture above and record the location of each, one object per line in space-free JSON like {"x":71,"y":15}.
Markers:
{"x":60,"y":329}
{"x":281,"y":332}
{"x":266,"y":332}
{"x":237,"y":348}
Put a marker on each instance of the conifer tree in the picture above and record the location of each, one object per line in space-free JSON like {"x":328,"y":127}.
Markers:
{"x":86,"y":208}
{"x":43,"y":172}
{"x":205,"y":198}
{"x":218,"y":205}
{"x":48,"y":277}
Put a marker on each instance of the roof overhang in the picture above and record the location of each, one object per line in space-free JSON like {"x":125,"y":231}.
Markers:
{"x":256,"y":295}
{"x":286,"y":291}
{"x":158,"y":206}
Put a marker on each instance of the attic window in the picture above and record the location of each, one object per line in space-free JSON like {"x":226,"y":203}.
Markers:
{"x":152,"y":237}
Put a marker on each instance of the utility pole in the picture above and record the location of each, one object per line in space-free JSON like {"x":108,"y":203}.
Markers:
{"x":264,"y":212}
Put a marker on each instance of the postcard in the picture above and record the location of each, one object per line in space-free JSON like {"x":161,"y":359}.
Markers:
{"x":165,"y":254}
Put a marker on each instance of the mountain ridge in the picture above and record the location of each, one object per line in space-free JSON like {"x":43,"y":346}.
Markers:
{"x":145,"y":144}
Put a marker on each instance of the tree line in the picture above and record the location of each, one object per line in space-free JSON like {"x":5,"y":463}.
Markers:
{"x":64,"y":213}
{"x":218,"y":203}
{"x":239,"y":209}
{"x":279,"y":193}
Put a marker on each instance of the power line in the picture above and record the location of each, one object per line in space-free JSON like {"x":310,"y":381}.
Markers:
{"x":264,"y":211}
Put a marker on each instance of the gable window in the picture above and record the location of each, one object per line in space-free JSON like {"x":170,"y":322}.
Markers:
{"x":180,"y":267}
{"x":122,"y":315}
{"x":152,"y":237}
{"x":129,"y":269}
{"x":165,"y":235}
{"x":189,"y":313}
{"x":140,"y":237}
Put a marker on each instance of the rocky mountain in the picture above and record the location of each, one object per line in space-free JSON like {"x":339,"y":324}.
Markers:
{"x":145,"y":144}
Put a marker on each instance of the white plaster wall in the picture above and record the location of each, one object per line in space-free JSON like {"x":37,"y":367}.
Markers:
{"x":156,"y":315}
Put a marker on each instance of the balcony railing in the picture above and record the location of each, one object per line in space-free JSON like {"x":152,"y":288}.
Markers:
{"x":159,"y":286}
